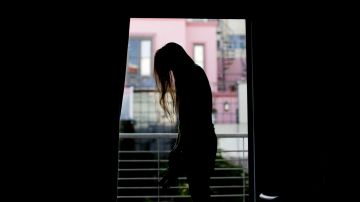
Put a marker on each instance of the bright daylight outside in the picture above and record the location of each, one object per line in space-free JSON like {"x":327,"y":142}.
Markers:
{"x":147,"y":136}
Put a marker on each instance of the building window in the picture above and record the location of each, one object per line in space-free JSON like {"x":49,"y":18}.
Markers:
{"x":237,"y":41}
{"x":199,"y":54}
{"x":139,"y":63}
{"x":139,"y":56}
{"x":145,"y":58}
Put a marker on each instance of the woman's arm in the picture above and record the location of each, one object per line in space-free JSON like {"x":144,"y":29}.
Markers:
{"x":178,"y":147}
{"x":174,"y":165}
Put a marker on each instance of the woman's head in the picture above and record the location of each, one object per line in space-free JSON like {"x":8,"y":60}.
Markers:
{"x":171,"y":57}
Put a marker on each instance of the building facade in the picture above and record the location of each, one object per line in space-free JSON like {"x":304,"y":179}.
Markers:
{"x":146,"y":35}
{"x":230,"y":99}
{"x":218,"y":46}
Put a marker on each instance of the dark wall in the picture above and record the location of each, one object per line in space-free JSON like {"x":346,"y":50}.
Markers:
{"x":302,"y":91}
{"x":72,"y":74}
{"x":290,"y":155}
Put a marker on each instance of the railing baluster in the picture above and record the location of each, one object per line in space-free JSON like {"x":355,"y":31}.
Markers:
{"x":243,"y":173}
{"x":239,"y":181}
{"x":158,"y":163}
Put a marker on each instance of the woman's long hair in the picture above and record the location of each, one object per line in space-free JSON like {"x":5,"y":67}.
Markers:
{"x":166,"y":58}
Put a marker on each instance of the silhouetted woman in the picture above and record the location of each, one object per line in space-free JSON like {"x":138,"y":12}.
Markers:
{"x":185,"y":86}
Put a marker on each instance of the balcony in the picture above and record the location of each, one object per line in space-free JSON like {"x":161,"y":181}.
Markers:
{"x":143,"y":159}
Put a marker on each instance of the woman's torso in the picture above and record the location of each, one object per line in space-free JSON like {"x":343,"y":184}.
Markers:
{"x":194,"y":99}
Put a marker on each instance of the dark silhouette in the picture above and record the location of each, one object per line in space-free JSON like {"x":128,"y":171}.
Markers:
{"x":189,"y":91}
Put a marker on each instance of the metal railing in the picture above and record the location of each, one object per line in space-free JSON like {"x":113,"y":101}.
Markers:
{"x":143,"y":159}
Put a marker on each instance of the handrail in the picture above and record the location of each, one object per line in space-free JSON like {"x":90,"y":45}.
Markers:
{"x":173,"y":135}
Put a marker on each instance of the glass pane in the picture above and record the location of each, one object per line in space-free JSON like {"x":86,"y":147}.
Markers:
{"x":145,"y":66}
{"x":237,"y":41}
{"x":226,"y":71}
{"x":199,"y":55}
{"x":199,"y":52}
{"x":133,"y":53}
{"x":200,"y":63}
{"x":146,"y":48}
{"x":127,"y":104}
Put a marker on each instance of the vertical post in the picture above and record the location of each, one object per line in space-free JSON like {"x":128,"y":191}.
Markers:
{"x":243,"y":173}
{"x":239,"y":106}
{"x":243,"y":187}
{"x":222,"y":47}
{"x":158,"y":163}
{"x":242,"y":102}
{"x":118,"y":167}
{"x":239,"y":97}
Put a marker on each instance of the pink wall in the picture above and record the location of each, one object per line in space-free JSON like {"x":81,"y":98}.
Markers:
{"x":161,"y":31}
{"x":223,"y":116}
{"x":234,"y":71}
{"x":204,"y":33}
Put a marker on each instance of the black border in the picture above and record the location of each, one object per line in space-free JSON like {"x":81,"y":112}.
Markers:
{"x":250,"y":96}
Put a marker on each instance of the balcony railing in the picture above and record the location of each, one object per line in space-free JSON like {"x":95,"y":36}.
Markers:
{"x":143,"y":159}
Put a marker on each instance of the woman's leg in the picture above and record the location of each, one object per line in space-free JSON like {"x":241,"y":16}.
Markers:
{"x":200,"y":166}
{"x":199,"y":186}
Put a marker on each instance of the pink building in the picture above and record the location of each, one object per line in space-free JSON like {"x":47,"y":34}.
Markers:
{"x":146,"y":35}
{"x":199,"y":39}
